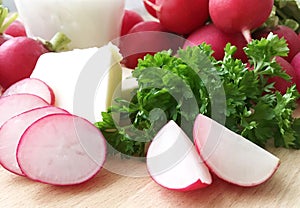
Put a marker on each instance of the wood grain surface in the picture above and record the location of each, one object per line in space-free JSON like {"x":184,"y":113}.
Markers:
{"x":108,"y":189}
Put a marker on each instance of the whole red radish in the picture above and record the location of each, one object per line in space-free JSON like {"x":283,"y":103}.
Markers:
{"x":18,"y":57}
{"x":240,"y":15}
{"x":181,"y":17}
{"x":218,"y":39}
{"x":149,"y":4}
{"x":130,"y":19}
{"x":290,"y":36}
{"x":16,"y":29}
{"x":296,"y":64}
{"x":147,"y":37}
{"x":5,"y":23}
{"x":280,"y":84}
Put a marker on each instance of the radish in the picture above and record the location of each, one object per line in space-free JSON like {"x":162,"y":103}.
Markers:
{"x":15,"y":104}
{"x":130,"y":19}
{"x":285,"y":32}
{"x":147,"y":37}
{"x":173,"y":161}
{"x":149,"y":4}
{"x":12,"y":130}
{"x":4,"y":38}
{"x":1,"y":90}
{"x":61,"y":149}
{"x":296,"y":65}
{"x":16,"y":29}
{"x":32,"y":86}
{"x":181,"y":17}
{"x":218,"y":39}
{"x":230,"y":156}
{"x":281,"y":84}
{"x":240,"y":15}
{"x":5,"y":22}
{"x":18,"y":57}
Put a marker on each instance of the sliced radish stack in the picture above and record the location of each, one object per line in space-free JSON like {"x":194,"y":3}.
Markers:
{"x":13,"y":105}
{"x":32,"y":86}
{"x":173,"y":161}
{"x":12,"y":130}
{"x":61,"y":149}
{"x":230,"y":156}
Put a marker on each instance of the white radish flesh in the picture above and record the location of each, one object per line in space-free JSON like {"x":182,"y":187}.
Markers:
{"x":15,"y":104}
{"x":230,"y":156}
{"x":173,"y":161}
{"x":61,"y":149}
{"x":12,"y":130}
{"x":32,"y":86}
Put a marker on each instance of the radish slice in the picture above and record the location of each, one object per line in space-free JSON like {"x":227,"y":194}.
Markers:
{"x":230,"y":156}
{"x":12,"y":130}
{"x":173,"y":161}
{"x":32,"y":86}
{"x":13,"y":105}
{"x":61,"y":149}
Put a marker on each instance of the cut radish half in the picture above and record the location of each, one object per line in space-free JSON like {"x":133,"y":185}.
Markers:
{"x":173,"y":161}
{"x":32,"y":86}
{"x":12,"y":130}
{"x":230,"y":156}
{"x":13,"y":105}
{"x":61,"y":149}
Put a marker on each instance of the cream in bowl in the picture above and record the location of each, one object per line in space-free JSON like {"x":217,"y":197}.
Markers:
{"x":88,"y":23}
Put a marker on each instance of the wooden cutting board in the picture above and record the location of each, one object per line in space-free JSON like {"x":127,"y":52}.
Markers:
{"x":109,"y":190}
{"x":117,"y":185}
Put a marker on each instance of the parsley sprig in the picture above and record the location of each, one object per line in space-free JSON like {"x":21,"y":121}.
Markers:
{"x":231,"y":92}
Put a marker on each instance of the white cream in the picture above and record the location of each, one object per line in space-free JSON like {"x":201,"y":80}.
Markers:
{"x":88,"y":23}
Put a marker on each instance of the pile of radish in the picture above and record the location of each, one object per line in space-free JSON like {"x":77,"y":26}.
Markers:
{"x":215,"y":22}
{"x":46,"y":143}
{"x":19,"y":53}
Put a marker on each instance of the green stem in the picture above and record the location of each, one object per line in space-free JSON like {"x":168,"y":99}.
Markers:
{"x":4,"y":23}
{"x":58,"y":43}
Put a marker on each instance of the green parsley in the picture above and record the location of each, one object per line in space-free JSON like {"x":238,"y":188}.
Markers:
{"x":180,"y":87}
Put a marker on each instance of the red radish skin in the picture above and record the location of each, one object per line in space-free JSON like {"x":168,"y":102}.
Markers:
{"x":181,"y":17}
{"x":230,"y":156}
{"x":130,"y":19}
{"x":32,"y":86}
{"x":12,"y":130}
{"x":61,"y":149}
{"x":149,"y":4}
{"x":18,"y":57}
{"x":144,"y":38}
{"x":16,"y":29}
{"x":280,"y":84}
{"x":13,"y":105}
{"x":233,"y":16}
{"x":4,"y":38}
{"x":213,"y":36}
{"x":285,"y":32}
{"x":296,"y":65}
{"x":173,"y":162}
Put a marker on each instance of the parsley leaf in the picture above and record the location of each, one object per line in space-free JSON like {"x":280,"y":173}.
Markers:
{"x":232,"y":93}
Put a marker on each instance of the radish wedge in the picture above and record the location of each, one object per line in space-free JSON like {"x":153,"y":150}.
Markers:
{"x":13,"y":105}
{"x":230,"y":156}
{"x":61,"y":149}
{"x":12,"y":130}
{"x":32,"y":86}
{"x":173,"y":162}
